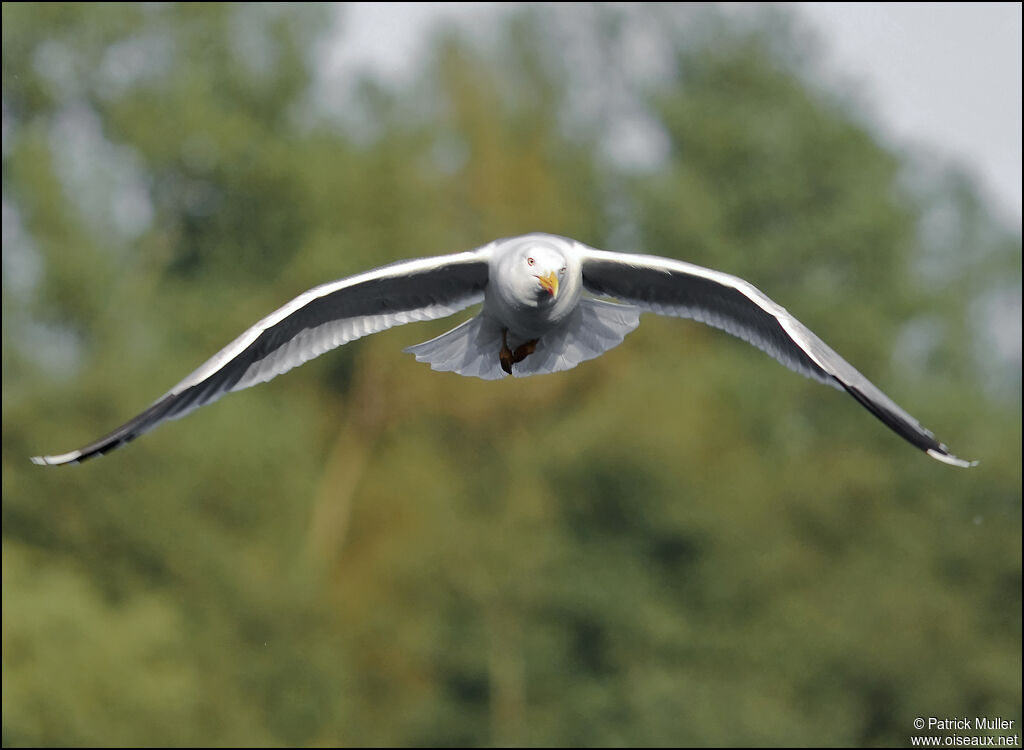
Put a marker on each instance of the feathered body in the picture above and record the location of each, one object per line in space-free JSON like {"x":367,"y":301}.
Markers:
{"x":549,"y":303}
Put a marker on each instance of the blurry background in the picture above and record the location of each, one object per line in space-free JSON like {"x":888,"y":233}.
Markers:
{"x":678,"y":543}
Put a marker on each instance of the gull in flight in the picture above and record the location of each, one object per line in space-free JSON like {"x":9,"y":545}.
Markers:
{"x":549,"y":303}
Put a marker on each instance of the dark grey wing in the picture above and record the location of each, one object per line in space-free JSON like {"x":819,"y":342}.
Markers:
{"x":316,"y":321}
{"x":672,"y":287}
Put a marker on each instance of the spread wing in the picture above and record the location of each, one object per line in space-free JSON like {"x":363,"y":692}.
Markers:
{"x":316,"y":321}
{"x":672,"y":287}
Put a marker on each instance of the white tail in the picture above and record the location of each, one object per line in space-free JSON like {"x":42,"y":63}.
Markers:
{"x":472,"y":348}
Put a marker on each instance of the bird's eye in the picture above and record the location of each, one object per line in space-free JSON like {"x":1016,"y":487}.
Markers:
{"x":562,"y":271}
{"x":529,"y":261}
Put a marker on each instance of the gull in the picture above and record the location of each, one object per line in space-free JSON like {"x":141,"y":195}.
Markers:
{"x":549,"y":303}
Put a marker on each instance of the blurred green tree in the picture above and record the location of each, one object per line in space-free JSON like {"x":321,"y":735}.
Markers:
{"x":678,"y":543}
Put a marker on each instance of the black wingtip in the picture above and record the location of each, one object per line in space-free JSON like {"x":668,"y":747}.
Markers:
{"x":907,"y":427}
{"x":123,"y":434}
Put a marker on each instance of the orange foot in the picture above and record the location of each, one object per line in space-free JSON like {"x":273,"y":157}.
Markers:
{"x":508,"y":357}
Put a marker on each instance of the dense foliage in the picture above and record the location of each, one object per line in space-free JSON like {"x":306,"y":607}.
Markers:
{"x":679,"y":543}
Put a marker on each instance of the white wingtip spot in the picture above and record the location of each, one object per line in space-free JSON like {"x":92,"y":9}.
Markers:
{"x":64,"y":458}
{"x":948,"y":458}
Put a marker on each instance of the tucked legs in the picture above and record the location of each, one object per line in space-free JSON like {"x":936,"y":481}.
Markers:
{"x":509,"y":357}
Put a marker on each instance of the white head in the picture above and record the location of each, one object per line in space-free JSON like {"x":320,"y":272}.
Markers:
{"x":535,"y":270}
{"x":536,"y":282}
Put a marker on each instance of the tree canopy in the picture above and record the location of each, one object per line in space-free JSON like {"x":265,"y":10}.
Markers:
{"x":678,"y":543}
